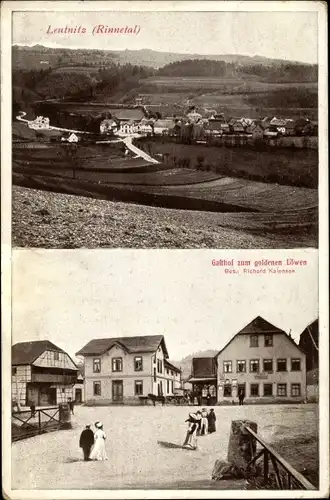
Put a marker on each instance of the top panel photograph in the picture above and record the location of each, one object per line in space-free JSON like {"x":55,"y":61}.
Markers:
{"x":174,"y":130}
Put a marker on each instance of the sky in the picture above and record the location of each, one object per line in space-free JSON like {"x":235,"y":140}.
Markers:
{"x":71,"y":297}
{"x":282,"y":35}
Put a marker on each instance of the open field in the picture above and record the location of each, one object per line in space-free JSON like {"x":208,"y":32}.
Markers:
{"x":54,"y":220}
{"x":144,"y":448}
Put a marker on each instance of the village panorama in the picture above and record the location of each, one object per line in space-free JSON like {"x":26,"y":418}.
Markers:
{"x":119,"y":149}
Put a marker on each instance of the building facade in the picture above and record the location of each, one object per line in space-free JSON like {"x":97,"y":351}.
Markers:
{"x":42,"y":374}
{"x":121,"y":370}
{"x":264,"y":362}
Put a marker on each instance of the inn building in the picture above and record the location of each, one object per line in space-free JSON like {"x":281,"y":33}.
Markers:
{"x":123,"y":369}
{"x":261,"y":360}
{"x":264,"y":362}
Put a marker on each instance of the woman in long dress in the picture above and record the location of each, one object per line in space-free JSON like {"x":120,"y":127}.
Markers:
{"x":191,"y":436}
{"x":212,"y":419}
{"x":98,"y":451}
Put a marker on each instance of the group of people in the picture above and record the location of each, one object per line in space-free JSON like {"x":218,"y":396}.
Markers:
{"x":93,"y":443}
{"x":199,"y":424}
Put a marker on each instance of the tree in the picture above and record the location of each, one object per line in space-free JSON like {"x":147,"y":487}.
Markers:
{"x":70,"y":153}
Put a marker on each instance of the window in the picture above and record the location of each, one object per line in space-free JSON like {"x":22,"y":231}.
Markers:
{"x":117,"y":364}
{"x":254,"y":390}
{"x":268,"y":340}
{"x":154,"y":360}
{"x":167,"y":372}
{"x":268,"y":389}
{"x":155,"y":376}
{"x":96,"y":365}
{"x":138,"y":365}
{"x":254,"y":365}
{"x":172,"y":373}
{"x":241,"y":366}
{"x":268,"y":365}
{"x":159,"y":366}
{"x":254,"y":341}
{"x":56,"y":356}
{"x":97,"y":388}
{"x":295,"y":390}
{"x":13,"y":371}
{"x":138,"y":387}
{"x":63,"y":391}
{"x":295,"y":365}
{"x":227,"y":366}
{"x":281,"y":389}
{"x":227,"y":391}
{"x":168,"y":386}
{"x":281,"y":365}
{"x":172,"y":386}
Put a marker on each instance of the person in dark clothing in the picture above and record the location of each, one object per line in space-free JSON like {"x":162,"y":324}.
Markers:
{"x":86,"y":441}
{"x":211,"y":419}
{"x":33,"y":409}
{"x":241,"y":397}
{"x":71,"y":406}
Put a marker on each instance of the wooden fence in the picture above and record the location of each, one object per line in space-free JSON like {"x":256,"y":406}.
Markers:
{"x":27,"y":423}
{"x":276,"y":469}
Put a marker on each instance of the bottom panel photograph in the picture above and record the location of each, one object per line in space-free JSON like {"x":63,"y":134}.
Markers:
{"x":155,"y":370}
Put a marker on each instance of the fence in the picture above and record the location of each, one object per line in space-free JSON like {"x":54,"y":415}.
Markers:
{"x":275,"y":466}
{"x":27,"y":423}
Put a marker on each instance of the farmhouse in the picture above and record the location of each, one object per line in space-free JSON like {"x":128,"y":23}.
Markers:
{"x":256,"y":130}
{"x":108,"y":126}
{"x":42,"y":373}
{"x":120,"y":370}
{"x":40,"y":122}
{"x":264,"y":362}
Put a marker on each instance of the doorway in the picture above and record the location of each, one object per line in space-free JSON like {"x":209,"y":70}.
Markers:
{"x":78,"y":396}
{"x":117,"y":391}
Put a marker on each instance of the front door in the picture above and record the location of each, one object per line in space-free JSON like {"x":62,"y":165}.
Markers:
{"x":117,"y":391}
{"x":78,"y":396}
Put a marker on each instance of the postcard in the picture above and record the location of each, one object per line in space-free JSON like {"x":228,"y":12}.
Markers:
{"x":164,"y":250}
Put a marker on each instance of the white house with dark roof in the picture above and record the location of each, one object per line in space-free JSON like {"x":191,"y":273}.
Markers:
{"x":123,"y":369}
{"x":264,"y":362}
{"x":42,"y":373}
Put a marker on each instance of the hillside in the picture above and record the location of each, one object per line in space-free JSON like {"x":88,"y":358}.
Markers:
{"x":25,"y":57}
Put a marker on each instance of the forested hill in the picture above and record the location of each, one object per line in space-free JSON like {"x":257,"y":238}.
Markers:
{"x":274,"y":71}
{"x":25,"y":57}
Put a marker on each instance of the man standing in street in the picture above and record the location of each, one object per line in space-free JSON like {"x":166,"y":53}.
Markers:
{"x":86,"y":441}
{"x":241,"y":397}
{"x":71,"y":406}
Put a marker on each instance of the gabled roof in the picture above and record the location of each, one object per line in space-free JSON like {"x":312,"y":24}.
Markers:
{"x":204,"y":367}
{"x":260,"y":326}
{"x":169,"y":365}
{"x":25,"y":353}
{"x":146,"y":343}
